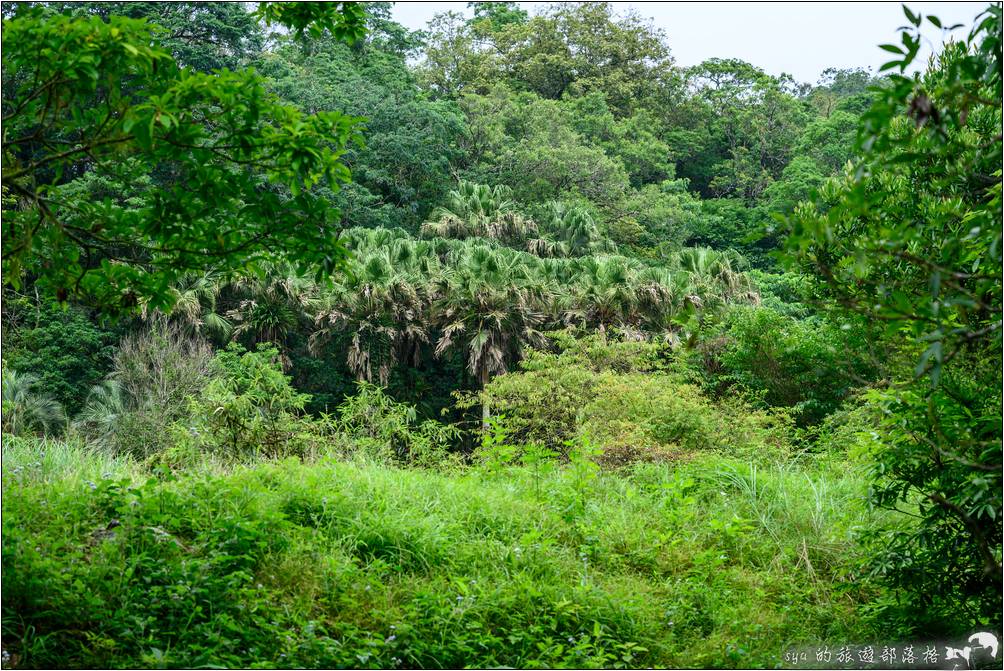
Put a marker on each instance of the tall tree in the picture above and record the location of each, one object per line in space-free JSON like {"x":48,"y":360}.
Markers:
{"x":479,"y":210}
{"x":912,"y":240}
{"x":490,"y":312}
{"x":90,"y":104}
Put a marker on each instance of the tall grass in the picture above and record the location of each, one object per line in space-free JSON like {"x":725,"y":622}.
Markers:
{"x":704,"y":563}
{"x":47,"y":461}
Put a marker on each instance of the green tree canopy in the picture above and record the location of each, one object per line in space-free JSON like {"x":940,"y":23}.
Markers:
{"x":123,"y":170}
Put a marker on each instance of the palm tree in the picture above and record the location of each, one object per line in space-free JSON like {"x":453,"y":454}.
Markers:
{"x":491,"y":312}
{"x":478,"y":210}
{"x":103,"y":409}
{"x":26,"y":409}
{"x":272,"y":306}
{"x":489,"y":301}
{"x":661,"y":294}
{"x":195,"y":299}
{"x":386,"y":313}
{"x":715,"y":276}
{"x":602,"y":295}
{"x":568,"y":231}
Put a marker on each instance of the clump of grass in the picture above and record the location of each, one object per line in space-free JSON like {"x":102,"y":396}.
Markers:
{"x":45,"y":461}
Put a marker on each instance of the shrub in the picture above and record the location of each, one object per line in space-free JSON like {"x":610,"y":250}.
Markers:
{"x":62,"y":347}
{"x":652,"y":417}
{"x":248,"y":408}
{"x":850,"y":431}
{"x":26,"y":408}
{"x":809,"y":365}
{"x":540,"y":404}
{"x":597,"y":352}
{"x":633,"y":398}
{"x":388,"y":431}
{"x":155,"y":374}
{"x":162,"y":366}
{"x":542,"y":401}
{"x":634,"y":416}
{"x":787,"y":293}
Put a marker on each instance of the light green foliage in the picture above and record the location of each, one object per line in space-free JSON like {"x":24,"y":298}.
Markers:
{"x":632,"y":400}
{"x":800,"y":179}
{"x":541,"y":462}
{"x":343,"y":20}
{"x":665,"y":214}
{"x":849,"y":432}
{"x":495,"y":453}
{"x":788,"y":293}
{"x":387,"y":431}
{"x":49,"y":462}
{"x":829,"y":141}
{"x":753,"y":121}
{"x":248,"y":408}
{"x":529,"y":144}
{"x":541,"y":402}
{"x":582,"y":472}
{"x":645,"y":417}
{"x":569,"y":50}
{"x":632,"y":140}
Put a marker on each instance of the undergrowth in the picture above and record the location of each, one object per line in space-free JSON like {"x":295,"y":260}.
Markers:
{"x":704,"y":562}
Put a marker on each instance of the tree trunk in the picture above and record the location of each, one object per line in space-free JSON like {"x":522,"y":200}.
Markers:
{"x":485,"y":410}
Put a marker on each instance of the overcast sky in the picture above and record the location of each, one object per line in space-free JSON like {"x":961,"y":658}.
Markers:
{"x":800,"y":38}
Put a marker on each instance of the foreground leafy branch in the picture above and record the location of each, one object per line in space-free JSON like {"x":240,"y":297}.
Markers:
{"x":122,"y":171}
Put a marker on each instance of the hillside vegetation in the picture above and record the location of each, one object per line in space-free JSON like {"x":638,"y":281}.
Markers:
{"x":506,"y":343}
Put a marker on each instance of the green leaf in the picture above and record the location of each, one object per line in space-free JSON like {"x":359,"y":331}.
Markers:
{"x":911,"y":17}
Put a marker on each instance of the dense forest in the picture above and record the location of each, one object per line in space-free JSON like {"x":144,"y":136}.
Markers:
{"x":509,"y":342}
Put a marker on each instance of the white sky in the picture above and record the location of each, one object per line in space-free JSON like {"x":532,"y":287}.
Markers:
{"x":800,"y":38}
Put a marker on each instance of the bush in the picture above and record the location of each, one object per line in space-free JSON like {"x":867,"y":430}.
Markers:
{"x":388,"y":431}
{"x":62,"y":347}
{"x":809,"y":365}
{"x":633,"y":398}
{"x":786,"y":293}
{"x":644,"y":416}
{"x":849,"y":432}
{"x":541,"y":402}
{"x":155,"y":374}
{"x":650,"y":417}
{"x":248,"y":408}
